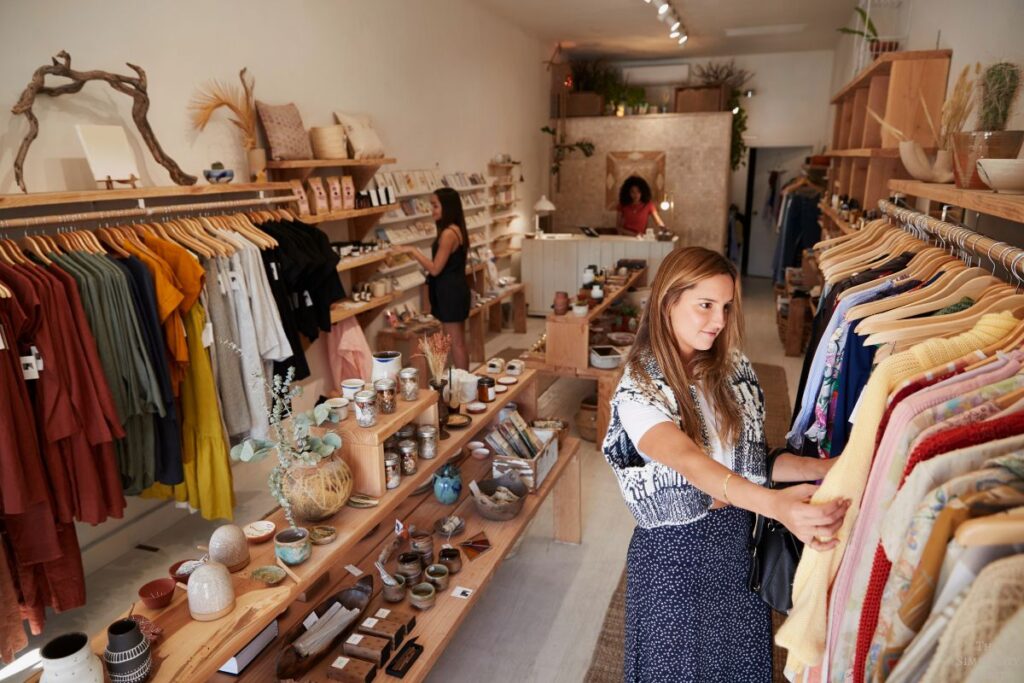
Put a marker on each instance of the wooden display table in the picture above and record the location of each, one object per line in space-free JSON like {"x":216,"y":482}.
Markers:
{"x":191,"y":650}
{"x":477,"y":334}
{"x":607,"y":381}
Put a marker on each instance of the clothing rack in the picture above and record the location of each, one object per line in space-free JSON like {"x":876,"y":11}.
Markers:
{"x":142,"y":211}
{"x":963,"y":238}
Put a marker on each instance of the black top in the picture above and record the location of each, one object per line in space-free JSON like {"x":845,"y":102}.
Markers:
{"x":448,"y":290}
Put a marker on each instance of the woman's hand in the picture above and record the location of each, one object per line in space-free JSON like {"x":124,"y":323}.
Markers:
{"x":813,"y":523}
{"x":402,"y":249}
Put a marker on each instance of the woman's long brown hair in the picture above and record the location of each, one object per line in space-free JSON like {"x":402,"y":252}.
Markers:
{"x":681,"y":270}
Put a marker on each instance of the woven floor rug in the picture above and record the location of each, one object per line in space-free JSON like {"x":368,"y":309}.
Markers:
{"x":606,"y":662}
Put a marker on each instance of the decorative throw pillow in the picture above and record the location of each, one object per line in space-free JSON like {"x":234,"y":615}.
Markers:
{"x":363,"y":141}
{"x":285,"y":133}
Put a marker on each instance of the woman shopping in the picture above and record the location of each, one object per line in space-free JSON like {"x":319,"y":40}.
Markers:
{"x":686,"y":441}
{"x":447,"y":286}
{"x":636,"y":207}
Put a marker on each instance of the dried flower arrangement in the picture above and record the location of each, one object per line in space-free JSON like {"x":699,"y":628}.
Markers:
{"x":239,"y":101}
{"x":435,"y":349}
{"x":957,"y":108}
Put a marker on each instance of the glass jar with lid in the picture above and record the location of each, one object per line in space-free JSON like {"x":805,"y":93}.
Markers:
{"x":392,"y":470}
{"x":427,"y":435}
{"x":366,"y":408}
{"x":409,"y":381}
{"x":386,"y":396}
{"x":410,"y":454}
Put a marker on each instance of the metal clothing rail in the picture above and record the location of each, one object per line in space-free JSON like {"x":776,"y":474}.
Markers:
{"x":962,"y":238}
{"x":143,"y":211}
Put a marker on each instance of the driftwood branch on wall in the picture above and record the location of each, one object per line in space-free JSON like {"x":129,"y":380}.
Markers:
{"x":133,"y":86}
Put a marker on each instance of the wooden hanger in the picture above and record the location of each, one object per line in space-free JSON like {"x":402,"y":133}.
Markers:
{"x":834,"y":249}
{"x":945,"y":325}
{"x":854,"y":256}
{"x":30,"y":244}
{"x":1001,"y":528}
{"x":179,"y":236}
{"x":108,"y":238}
{"x":950,"y":288}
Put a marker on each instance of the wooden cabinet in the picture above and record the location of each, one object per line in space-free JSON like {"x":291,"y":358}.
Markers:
{"x":701,"y":98}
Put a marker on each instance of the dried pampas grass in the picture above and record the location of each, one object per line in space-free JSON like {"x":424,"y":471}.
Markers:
{"x":957,"y":108}
{"x":435,"y":349}
{"x":239,"y":101}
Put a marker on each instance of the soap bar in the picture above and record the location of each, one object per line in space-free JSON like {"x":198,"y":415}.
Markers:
{"x":349,"y":670}
{"x":383,"y":628}
{"x":406,"y":619}
{"x":371,"y":648}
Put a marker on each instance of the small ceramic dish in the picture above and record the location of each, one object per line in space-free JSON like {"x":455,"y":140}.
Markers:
{"x":622,"y":338}
{"x":420,"y":490}
{"x":157,"y":594}
{"x":500,"y":389}
{"x":439,"y":524}
{"x":322,"y":535}
{"x":270,"y":575}
{"x":180,"y":576}
{"x":458,"y":421}
{"x":422,"y":595}
{"x":476,"y":407}
{"x":473,"y":445}
{"x":507,"y":381}
{"x":481,"y":453}
{"x":259,"y":532}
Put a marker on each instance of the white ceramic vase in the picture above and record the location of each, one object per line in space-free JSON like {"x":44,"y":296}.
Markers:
{"x":386,"y":364}
{"x":69,"y":658}
{"x":210,"y":592}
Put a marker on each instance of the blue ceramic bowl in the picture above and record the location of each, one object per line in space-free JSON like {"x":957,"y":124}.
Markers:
{"x":293,"y":546}
{"x":218,"y":175}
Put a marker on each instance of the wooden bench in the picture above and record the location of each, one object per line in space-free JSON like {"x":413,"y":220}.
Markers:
{"x":191,"y":650}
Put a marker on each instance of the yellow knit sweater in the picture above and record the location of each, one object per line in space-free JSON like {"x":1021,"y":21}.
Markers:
{"x":803,"y":633}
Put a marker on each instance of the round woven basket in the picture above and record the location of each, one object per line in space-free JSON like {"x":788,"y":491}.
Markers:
{"x":329,"y":142}
{"x":317,"y":493}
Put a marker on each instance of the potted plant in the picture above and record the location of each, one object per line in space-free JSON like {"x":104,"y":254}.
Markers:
{"x":635,"y":98}
{"x":585,"y":79}
{"x":999,"y":87}
{"x":309,"y":481}
{"x":869,"y":33}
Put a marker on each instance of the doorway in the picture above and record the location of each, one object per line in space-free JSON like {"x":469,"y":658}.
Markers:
{"x":785,"y":163}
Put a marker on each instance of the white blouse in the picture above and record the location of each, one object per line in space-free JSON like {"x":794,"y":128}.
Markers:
{"x":638,"y":419}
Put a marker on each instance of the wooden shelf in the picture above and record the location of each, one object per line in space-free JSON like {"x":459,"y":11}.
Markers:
{"x":501,"y":296}
{"x":291,"y":164}
{"x":404,"y":219}
{"x":610,"y":297}
{"x":471,"y":188}
{"x":833,"y":215}
{"x":1008,"y":206}
{"x":410,"y":195}
{"x":341,"y":312}
{"x":866,"y":153}
{"x":16,"y":201}
{"x":192,"y":650}
{"x":883,"y":65}
{"x":350,"y":262}
{"x":345,"y":215}
{"x":502,"y":164}
{"x":507,"y":252}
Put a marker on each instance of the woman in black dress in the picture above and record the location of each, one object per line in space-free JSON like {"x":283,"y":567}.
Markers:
{"x":446,"y":282}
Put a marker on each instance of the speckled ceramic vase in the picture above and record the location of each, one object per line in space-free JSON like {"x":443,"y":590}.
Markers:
{"x":68,"y":658}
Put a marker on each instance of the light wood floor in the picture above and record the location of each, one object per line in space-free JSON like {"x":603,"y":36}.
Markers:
{"x":539,"y":618}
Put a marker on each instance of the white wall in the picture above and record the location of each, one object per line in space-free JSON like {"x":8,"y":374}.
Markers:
{"x":985,"y":32}
{"x":447,"y":84}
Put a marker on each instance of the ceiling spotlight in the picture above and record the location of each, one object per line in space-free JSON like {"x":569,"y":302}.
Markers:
{"x":676,"y":25}
{"x":663,"y":9}
{"x":736,"y":110}
{"x":674,"y":34}
{"x":683,"y":39}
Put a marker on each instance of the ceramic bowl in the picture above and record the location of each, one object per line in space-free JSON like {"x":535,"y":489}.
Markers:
{"x":481,"y":453}
{"x":605,"y":357}
{"x":339,"y":407}
{"x":157,"y":594}
{"x":259,"y":532}
{"x":229,"y":546}
{"x":292,"y":546}
{"x":476,"y":407}
{"x":500,"y":389}
{"x":322,"y":535}
{"x":451,"y":558}
{"x":580,"y":310}
{"x":507,"y":381}
{"x":1003,"y":175}
{"x":350,"y":387}
{"x":394,"y":593}
{"x":218,"y":175}
{"x":437,"y":574}
{"x":423,"y":595}
{"x":175,"y":571}
{"x":211,"y":594}
{"x":473,"y":445}
{"x":504,"y":511}
{"x":270,"y":575}
{"x":622,"y":338}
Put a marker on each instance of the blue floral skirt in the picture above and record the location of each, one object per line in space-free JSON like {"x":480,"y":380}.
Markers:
{"x":689,"y":613}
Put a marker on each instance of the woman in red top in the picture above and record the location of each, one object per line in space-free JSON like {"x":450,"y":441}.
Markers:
{"x":635,"y":207}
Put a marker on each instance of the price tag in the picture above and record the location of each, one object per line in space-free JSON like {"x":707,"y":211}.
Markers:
{"x":340,"y":663}
{"x":382,"y":613}
{"x":308,"y":298}
{"x":39,"y":358}
{"x":273,"y":270}
{"x":310,"y":620}
{"x":462,"y":592}
{"x":354,"y":639}
{"x":233,"y":279}
{"x":370,"y":623}
{"x":354,"y":570}
{"x":207,"y":334}
{"x":220,"y":284}
{"x":28,"y":367}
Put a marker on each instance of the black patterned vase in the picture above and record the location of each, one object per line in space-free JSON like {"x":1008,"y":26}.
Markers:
{"x":128,"y":656}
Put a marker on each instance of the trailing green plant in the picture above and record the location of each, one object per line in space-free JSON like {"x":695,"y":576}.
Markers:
{"x":1000,"y":85}
{"x":737,"y":145}
{"x":562,"y":148}
{"x":292,"y":441}
{"x":867,"y":30}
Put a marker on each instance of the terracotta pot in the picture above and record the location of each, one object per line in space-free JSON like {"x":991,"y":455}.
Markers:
{"x":969,"y":147}
{"x":319,"y":492}
{"x":561,"y":304}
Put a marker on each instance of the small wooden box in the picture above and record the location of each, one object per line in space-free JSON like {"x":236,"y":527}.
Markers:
{"x":531,"y":472}
{"x":383,"y":628}
{"x":370,"y":648}
{"x":406,"y":619}
{"x":350,"y":670}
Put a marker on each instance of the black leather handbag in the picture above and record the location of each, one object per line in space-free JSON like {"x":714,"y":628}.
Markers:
{"x":774,"y":555}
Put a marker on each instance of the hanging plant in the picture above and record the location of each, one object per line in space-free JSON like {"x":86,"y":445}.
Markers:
{"x":562,"y":149}
{"x":729,"y":75}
